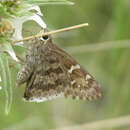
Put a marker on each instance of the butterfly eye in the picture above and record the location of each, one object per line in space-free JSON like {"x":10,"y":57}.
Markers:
{"x":45,"y":37}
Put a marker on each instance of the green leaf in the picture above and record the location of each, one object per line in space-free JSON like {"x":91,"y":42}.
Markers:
{"x":42,"y":2}
{"x":3,"y":11}
{"x":8,"y":48}
{"x":6,"y":81}
{"x":0,"y":84}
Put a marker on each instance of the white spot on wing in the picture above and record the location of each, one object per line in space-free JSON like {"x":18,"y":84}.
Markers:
{"x":74,"y":68}
{"x":43,"y":99}
{"x":88,"y":77}
{"x":86,"y":82}
{"x":72,"y":82}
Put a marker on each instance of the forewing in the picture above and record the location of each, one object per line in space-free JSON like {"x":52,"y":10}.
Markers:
{"x":82,"y":84}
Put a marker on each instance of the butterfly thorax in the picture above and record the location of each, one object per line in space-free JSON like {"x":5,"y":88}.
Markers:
{"x":37,"y":50}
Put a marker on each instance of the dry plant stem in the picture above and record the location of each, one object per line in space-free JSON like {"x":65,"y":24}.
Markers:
{"x":52,"y":32}
{"x":104,"y":124}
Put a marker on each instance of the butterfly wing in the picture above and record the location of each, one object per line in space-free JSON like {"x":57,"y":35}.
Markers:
{"x":82,"y":84}
{"x":58,"y":74}
{"x":49,"y":79}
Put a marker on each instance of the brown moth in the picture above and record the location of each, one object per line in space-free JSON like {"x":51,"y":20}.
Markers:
{"x":50,"y":72}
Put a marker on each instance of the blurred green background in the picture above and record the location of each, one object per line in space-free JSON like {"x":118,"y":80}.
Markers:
{"x":102,"y":49}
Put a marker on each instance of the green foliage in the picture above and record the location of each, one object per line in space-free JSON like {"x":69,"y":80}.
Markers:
{"x":8,"y":8}
{"x":6,"y":81}
{"x":43,"y":2}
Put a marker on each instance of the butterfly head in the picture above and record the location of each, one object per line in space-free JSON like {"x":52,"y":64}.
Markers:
{"x":46,"y":38}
